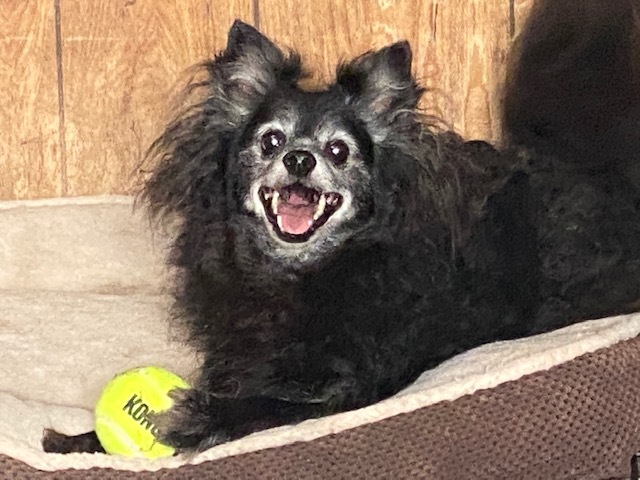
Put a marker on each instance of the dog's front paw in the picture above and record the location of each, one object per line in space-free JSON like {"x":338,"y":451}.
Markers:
{"x":193,"y":423}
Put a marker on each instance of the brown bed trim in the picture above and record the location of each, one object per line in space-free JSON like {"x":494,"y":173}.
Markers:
{"x":579,"y":420}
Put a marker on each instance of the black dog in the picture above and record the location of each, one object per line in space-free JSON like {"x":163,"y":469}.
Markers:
{"x":333,"y":245}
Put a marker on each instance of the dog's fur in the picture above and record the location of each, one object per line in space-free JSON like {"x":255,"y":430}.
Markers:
{"x":437,"y":245}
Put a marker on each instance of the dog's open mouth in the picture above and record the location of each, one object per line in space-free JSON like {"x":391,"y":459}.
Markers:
{"x":296,"y":211}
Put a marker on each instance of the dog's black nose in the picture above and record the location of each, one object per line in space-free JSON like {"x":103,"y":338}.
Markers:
{"x":299,"y":162}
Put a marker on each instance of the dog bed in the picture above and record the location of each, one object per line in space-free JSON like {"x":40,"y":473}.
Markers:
{"x":83,"y":296}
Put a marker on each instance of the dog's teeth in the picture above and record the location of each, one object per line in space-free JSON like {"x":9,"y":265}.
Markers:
{"x":331,"y":200}
{"x":274,"y":203}
{"x":279,"y":221}
{"x":322,"y":203}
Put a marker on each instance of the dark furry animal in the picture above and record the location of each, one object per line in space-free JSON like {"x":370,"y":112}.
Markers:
{"x":333,"y":246}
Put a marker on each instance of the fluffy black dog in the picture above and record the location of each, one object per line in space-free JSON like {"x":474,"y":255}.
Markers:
{"x":333,"y":245}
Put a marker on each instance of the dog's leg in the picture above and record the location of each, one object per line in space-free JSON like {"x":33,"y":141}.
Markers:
{"x":199,"y":420}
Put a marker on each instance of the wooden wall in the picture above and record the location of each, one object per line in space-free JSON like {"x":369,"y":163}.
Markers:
{"x":84,"y":82}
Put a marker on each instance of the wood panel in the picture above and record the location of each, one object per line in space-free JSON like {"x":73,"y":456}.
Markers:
{"x":118,"y":70}
{"x":459,"y":46}
{"x":119,"y":59}
{"x":30,"y":160}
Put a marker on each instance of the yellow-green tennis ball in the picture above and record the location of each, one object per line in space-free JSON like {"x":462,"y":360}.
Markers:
{"x":122,"y":412}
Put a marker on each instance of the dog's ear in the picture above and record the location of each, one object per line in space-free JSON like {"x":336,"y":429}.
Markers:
{"x":243,"y":37}
{"x":380,"y":82}
{"x":253,"y":64}
{"x":188,"y":159}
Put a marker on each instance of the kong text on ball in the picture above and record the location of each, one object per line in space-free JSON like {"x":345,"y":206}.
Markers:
{"x":123,"y":412}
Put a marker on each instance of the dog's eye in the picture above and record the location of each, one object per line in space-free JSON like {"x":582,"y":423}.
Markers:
{"x":272,"y":141}
{"x":337,"y":151}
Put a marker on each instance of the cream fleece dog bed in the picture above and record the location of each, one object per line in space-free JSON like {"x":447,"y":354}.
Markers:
{"x":83,"y":297}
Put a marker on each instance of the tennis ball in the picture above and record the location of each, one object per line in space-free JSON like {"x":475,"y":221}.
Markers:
{"x":122,"y":412}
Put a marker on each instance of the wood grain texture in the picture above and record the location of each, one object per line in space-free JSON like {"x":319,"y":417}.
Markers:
{"x":30,"y":160}
{"x":459,"y":47}
{"x":119,"y":68}
{"x":121,"y":58}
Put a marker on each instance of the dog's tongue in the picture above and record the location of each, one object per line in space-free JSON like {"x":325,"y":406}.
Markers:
{"x":296,"y":215}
